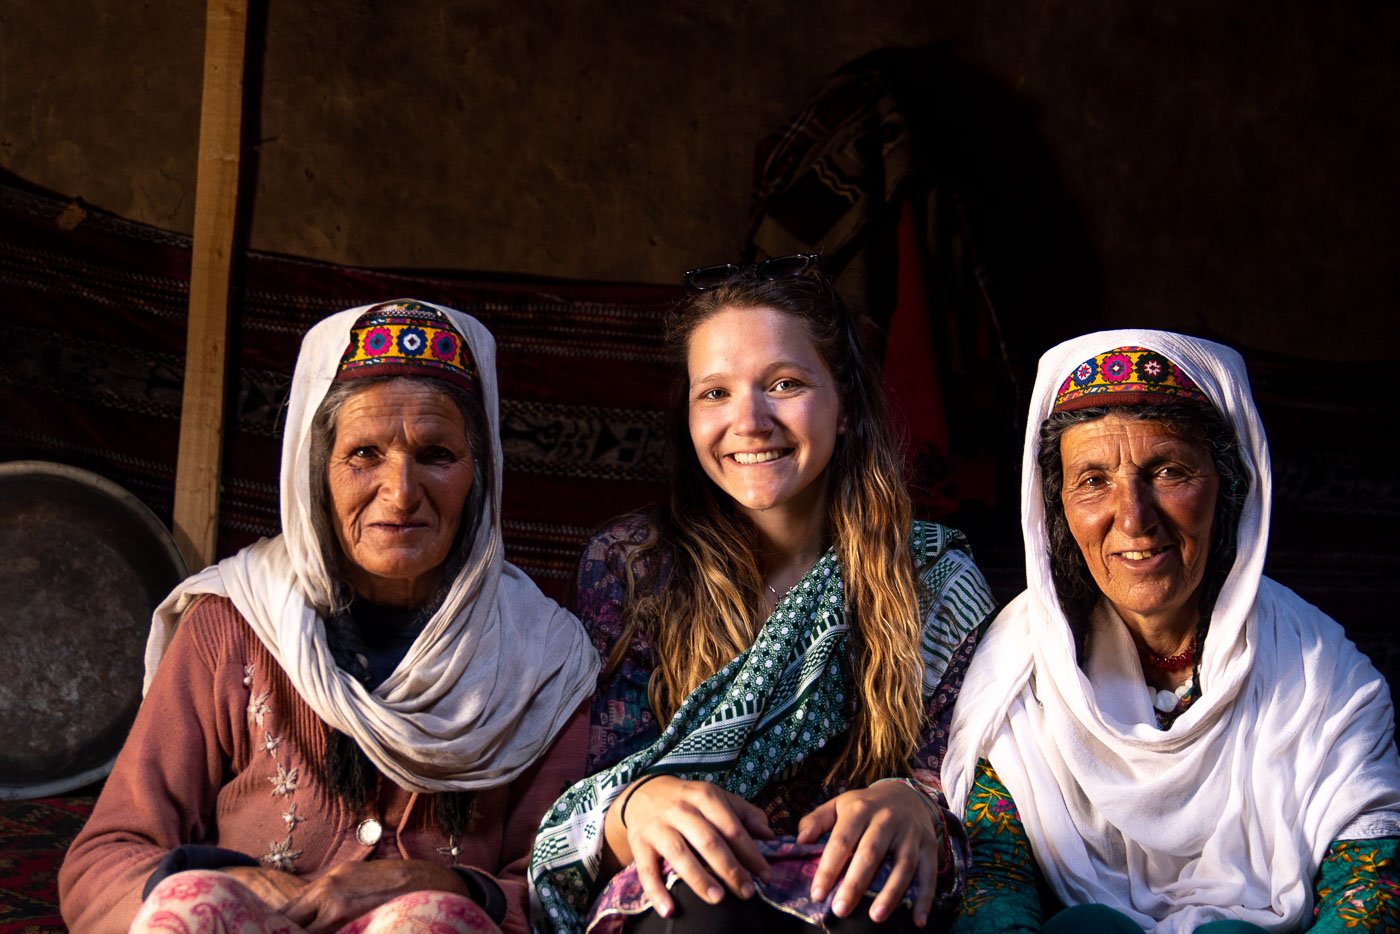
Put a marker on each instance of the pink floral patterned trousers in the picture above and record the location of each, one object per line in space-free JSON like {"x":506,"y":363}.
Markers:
{"x":209,"y":902}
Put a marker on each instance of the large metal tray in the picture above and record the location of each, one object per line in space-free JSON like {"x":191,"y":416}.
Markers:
{"x":82,"y":565}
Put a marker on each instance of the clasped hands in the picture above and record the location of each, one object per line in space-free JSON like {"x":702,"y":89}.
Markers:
{"x":708,"y":836}
{"x":345,"y":892}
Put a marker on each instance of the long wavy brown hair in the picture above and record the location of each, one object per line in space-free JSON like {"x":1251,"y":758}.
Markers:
{"x":711,"y":606}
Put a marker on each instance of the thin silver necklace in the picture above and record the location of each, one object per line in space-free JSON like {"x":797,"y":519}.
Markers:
{"x":777,"y":597}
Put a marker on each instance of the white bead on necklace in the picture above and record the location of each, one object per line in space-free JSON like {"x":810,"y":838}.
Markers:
{"x":1168,"y":701}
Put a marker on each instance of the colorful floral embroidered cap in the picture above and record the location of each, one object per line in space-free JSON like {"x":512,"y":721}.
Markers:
{"x":407,"y":338}
{"x":1127,"y":376}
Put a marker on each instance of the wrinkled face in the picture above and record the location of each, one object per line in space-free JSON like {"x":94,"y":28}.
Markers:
{"x":1140,"y":501}
{"x":399,"y":473}
{"x":764,"y":410}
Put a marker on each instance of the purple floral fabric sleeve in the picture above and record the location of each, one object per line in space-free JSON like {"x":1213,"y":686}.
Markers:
{"x":622,"y":722}
{"x":928,"y":761}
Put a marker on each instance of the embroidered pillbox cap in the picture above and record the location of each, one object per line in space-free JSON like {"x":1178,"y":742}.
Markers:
{"x":1127,"y":376}
{"x":407,"y":338}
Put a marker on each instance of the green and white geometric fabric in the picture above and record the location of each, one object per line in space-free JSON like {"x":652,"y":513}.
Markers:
{"x":758,"y":716}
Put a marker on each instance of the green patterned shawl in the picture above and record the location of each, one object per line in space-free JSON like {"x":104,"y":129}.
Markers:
{"x":761,"y":714}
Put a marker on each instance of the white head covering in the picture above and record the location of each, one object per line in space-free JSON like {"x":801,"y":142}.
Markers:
{"x":1227,"y":814}
{"x":494,"y":675}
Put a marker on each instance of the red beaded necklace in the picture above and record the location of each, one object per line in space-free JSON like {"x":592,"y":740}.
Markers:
{"x":1171,"y":662}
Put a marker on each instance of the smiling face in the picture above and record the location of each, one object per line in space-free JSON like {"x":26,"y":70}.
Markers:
{"x":1140,"y":500}
{"x":399,"y":474}
{"x":763,"y":409}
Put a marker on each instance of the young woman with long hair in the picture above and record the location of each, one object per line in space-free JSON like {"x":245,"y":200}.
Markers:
{"x":782,"y":645}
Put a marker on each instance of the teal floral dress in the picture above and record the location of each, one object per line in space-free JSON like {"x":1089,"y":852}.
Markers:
{"x":1357,"y":888}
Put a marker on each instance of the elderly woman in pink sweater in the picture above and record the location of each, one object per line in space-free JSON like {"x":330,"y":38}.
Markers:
{"x":358,"y":724}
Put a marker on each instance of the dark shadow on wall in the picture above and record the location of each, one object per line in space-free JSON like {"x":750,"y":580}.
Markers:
{"x":981,"y":142}
{"x":933,"y":198}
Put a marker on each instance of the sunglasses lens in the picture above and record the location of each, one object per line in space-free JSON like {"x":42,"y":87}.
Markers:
{"x":784,"y":267}
{"x":709,"y":277}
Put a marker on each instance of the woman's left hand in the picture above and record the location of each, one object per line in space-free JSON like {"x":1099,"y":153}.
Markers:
{"x":866,"y":825}
{"x":352,"y":889}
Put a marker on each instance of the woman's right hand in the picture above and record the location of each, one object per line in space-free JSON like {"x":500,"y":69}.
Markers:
{"x":703,"y":831}
{"x":275,"y":888}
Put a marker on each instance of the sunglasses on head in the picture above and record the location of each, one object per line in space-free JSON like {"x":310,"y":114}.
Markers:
{"x":780,"y":267}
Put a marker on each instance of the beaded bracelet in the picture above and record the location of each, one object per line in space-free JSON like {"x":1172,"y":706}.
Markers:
{"x":622,"y":811}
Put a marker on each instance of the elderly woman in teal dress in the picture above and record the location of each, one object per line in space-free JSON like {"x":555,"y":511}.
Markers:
{"x":1153,"y":735}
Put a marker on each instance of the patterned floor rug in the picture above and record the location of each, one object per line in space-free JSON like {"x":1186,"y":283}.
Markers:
{"x":33,"y":837}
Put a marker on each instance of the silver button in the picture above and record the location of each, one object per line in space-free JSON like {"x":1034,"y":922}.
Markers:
{"x":369,"y":832}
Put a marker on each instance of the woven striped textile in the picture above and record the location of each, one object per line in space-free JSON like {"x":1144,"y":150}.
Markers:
{"x":94,"y":311}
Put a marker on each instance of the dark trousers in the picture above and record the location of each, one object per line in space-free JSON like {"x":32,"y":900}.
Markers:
{"x":694,"y":916}
{"x":1100,"y":919}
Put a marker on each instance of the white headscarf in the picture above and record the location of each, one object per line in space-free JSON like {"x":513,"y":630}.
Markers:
{"x":494,"y":675}
{"x":1227,"y":814}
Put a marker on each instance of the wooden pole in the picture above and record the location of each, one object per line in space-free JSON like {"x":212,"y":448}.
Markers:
{"x":197,"y":471}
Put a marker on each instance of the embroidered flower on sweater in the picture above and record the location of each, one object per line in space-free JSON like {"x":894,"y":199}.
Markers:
{"x":285,"y":781}
{"x":248,"y":675}
{"x":258,"y":707}
{"x":270,"y":743}
{"x":281,"y":855}
{"x":290,"y":818}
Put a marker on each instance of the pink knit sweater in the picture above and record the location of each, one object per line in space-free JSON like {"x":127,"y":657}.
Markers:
{"x":222,"y":753}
